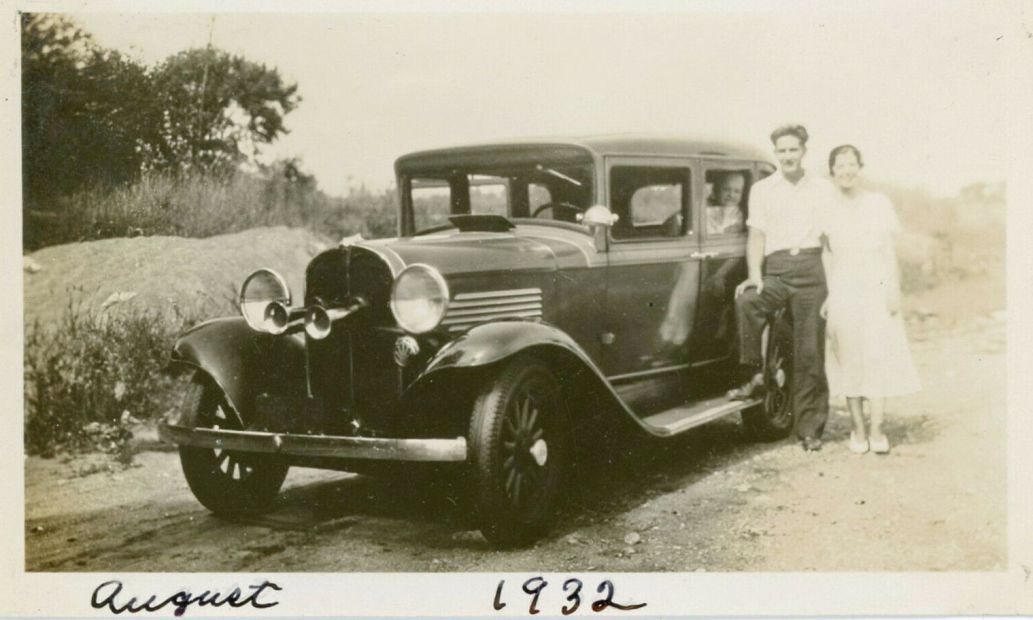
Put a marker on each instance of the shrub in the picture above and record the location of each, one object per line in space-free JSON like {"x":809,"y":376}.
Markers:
{"x":89,"y":377}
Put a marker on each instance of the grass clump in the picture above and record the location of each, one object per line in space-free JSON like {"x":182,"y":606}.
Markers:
{"x":93,"y":375}
{"x":204,"y":205}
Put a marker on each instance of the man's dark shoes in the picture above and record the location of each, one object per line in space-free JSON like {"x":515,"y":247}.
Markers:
{"x":751,"y":389}
{"x":811,"y":444}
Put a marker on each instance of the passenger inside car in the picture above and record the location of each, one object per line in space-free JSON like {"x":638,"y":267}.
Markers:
{"x":724,"y":206}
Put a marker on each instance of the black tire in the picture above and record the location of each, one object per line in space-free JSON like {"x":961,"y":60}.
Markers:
{"x":230,"y":484}
{"x":773,"y":419}
{"x":519,"y":454}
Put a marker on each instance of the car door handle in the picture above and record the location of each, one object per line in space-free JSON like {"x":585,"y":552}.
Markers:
{"x":703,"y":255}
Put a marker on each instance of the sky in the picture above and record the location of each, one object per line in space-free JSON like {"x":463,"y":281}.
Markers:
{"x":920,"y":88}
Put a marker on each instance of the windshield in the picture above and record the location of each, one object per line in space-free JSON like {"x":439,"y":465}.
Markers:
{"x":540,"y":190}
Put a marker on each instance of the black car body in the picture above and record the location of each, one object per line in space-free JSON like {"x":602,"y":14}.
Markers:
{"x":532,"y":284}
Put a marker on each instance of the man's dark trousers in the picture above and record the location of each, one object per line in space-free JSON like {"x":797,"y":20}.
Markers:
{"x":796,"y":281}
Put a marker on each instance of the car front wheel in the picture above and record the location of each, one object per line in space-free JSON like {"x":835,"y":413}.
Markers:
{"x":519,"y":451}
{"x":230,"y":484}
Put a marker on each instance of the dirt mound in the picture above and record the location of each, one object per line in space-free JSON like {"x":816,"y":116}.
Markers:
{"x":195,"y":275}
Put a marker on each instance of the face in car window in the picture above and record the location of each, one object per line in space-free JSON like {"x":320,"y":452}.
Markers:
{"x":729,"y":193}
{"x":725,"y":205}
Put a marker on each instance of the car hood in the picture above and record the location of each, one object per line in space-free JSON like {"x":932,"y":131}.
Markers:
{"x":452,"y":252}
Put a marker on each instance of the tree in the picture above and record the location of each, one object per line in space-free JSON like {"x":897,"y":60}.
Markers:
{"x":217,"y":110}
{"x":94,"y":118}
{"x":86,"y":111}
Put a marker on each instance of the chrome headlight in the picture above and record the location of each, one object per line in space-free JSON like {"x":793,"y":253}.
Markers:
{"x":419,"y":298}
{"x":263,"y":302}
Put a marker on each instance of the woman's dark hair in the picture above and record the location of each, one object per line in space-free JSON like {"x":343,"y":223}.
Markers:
{"x":844,"y":148}
{"x":797,"y":131}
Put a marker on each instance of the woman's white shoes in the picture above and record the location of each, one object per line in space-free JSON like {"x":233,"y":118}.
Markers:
{"x":880,"y":445}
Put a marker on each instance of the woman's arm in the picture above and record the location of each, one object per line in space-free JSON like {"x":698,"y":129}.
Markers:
{"x":891,"y":267}
{"x":892,"y":277}
{"x":826,"y":265}
{"x":826,"y":259}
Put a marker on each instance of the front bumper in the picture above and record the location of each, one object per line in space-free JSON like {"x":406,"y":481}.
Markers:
{"x":373,"y":448}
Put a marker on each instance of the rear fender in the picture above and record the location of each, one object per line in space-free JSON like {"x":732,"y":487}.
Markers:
{"x":243,"y":362}
{"x":491,"y":343}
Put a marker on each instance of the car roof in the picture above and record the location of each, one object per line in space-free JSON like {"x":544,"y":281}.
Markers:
{"x":600,"y":145}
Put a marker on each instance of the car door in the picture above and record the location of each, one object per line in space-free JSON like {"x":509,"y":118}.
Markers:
{"x":724,"y":196}
{"x":652,"y":277}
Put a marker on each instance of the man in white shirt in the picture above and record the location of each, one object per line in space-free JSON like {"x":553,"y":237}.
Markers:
{"x":783,"y":258}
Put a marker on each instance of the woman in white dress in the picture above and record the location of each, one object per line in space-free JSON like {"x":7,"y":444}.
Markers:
{"x":867,"y":355}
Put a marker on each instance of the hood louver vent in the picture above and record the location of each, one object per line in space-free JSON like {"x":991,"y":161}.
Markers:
{"x":468,"y":309}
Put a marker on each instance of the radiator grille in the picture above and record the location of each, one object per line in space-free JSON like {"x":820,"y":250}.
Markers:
{"x":353,"y":371}
{"x":468,"y":309}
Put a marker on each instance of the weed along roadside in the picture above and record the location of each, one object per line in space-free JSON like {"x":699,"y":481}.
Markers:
{"x":101,"y":317}
{"x":93,"y":376}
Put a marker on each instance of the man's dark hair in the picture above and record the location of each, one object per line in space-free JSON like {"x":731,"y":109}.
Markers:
{"x":798,"y":131}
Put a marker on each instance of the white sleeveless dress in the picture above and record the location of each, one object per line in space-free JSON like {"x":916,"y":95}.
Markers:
{"x":867,"y":353}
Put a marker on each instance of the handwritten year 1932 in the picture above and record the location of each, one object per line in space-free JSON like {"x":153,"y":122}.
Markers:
{"x":572,"y":587}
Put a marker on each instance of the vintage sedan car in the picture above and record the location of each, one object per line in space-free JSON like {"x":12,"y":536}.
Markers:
{"x":535,"y":288}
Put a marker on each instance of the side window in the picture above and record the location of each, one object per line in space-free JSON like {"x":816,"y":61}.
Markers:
{"x":765,"y":170}
{"x":488,"y":195}
{"x":650,"y":202}
{"x":431,"y":200}
{"x":726,"y":194}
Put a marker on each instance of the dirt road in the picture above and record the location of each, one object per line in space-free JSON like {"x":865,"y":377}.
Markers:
{"x":711,"y":501}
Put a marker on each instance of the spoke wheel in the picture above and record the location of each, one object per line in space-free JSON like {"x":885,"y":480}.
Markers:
{"x":229,"y":483}
{"x":773,"y":418}
{"x":518,"y":440}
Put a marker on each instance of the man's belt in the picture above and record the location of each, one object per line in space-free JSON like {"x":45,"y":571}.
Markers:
{"x":795,"y":252}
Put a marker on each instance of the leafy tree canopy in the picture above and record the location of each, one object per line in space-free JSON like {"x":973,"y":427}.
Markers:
{"x":217,"y":109}
{"x":92,"y":116}
{"x":85,"y":110}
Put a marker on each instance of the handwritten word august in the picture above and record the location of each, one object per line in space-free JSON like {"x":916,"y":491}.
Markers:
{"x":572,"y":588}
{"x":106,"y":595}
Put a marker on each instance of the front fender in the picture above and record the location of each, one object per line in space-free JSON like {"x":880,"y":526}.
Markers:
{"x":243,"y":362}
{"x":489,"y":343}
{"x":492,"y":342}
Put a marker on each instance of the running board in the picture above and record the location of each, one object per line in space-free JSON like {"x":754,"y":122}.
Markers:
{"x":684,"y":417}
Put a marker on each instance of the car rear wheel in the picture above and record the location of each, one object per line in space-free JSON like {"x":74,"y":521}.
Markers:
{"x":773,"y":419}
{"x":229,"y":483}
{"x":519,"y":452}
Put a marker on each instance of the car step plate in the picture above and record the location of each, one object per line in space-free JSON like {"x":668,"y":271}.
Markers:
{"x":683,"y":417}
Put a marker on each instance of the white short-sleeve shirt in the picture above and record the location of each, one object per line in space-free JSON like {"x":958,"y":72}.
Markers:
{"x":791,"y":216}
